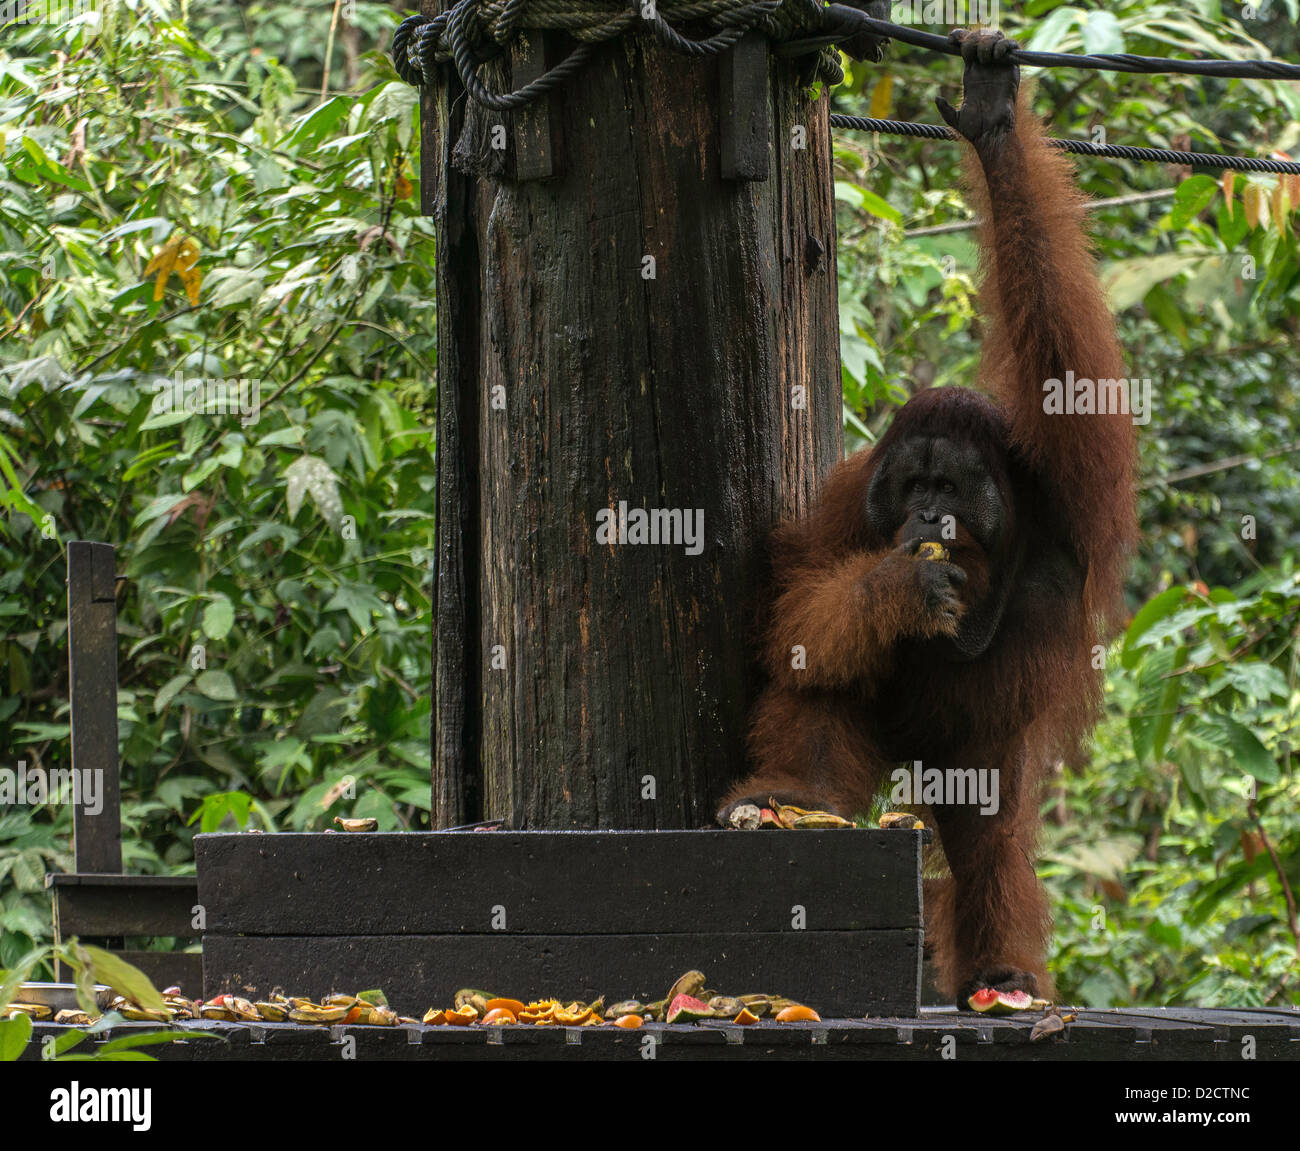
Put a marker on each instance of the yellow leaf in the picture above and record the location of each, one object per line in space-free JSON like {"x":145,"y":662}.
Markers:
{"x":179,"y":255}
{"x":882,"y":98}
{"x":1229,"y":177}
{"x":162,"y":263}
{"x":1281,"y":206}
{"x":1252,"y":200}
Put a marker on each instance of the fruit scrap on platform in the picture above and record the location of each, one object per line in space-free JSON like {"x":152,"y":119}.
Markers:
{"x":799,"y":818}
{"x":687,"y":1001}
{"x":989,"y":1001}
{"x":901,"y":821}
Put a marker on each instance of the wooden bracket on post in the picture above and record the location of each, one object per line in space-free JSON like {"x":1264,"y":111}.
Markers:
{"x":92,"y":679}
{"x":429,"y":185}
{"x":744,"y":124}
{"x":534,"y":151}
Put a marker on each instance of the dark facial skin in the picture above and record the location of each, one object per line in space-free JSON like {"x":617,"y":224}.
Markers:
{"x":928,"y":486}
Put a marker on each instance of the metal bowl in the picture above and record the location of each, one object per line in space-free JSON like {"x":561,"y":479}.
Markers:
{"x":60,"y":996}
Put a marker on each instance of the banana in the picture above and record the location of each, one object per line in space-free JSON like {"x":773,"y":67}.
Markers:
{"x":357,"y":824}
{"x":816,"y":820}
{"x":316,"y":1013}
{"x":901,"y":821}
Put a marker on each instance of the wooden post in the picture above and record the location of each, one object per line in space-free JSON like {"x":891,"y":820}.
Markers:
{"x":92,"y":674}
{"x":632,"y":331}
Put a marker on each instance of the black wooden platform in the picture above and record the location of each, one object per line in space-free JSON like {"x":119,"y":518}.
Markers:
{"x":831,"y":918}
{"x":1133,"y":1035}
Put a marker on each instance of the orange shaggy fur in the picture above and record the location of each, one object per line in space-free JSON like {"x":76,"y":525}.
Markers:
{"x":851,"y":601}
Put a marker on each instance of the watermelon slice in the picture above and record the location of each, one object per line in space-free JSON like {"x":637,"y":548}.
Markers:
{"x":990,"y":1001}
{"x":688,"y":1009}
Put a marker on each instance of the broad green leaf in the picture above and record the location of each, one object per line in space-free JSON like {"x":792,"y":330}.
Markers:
{"x":218,"y":618}
{"x":1102,"y":34}
{"x":1157,"y":704}
{"x":217,"y":685}
{"x":312,"y":474}
{"x":14,"y":1034}
{"x":169,"y":691}
{"x":123,"y":978}
{"x":1128,"y":281}
{"x":157,"y":508}
{"x":1241,"y":743}
{"x":192,"y":479}
{"x":1194,"y":195}
{"x":1051,"y":32}
{"x":1154,"y":610}
{"x":149,"y":1039}
{"x":867,"y":201}
{"x":19,"y":974}
{"x":318,"y":123}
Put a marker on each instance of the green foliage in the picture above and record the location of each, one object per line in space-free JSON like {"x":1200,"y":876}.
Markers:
{"x":90,"y":966}
{"x":1184,"y":897}
{"x":274,"y":619}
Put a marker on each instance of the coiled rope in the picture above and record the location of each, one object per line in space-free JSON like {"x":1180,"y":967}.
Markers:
{"x":473,"y":32}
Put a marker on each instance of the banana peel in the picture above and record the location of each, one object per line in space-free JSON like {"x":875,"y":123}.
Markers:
{"x":791,"y":817}
{"x":820,"y":821}
{"x":901,"y":821}
{"x":692,"y":983}
{"x":319,"y":1014}
{"x":369,"y":824}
